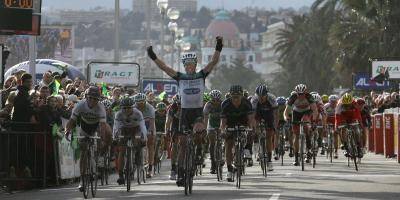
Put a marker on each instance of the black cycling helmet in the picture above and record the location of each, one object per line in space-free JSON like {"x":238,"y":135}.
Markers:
{"x":127,"y":102}
{"x":92,"y":91}
{"x":236,"y":90}
{"x":262,"y":90}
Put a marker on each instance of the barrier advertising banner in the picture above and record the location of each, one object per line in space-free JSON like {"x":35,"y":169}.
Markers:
{"x":364,"y":82}
{"x":114,"y":73}
{"x":169,"y":86}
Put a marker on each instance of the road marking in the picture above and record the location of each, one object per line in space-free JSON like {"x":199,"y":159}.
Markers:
{"x":275,"y":196}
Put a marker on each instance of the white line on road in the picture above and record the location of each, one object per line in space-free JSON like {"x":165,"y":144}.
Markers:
{"x":275,"y":196}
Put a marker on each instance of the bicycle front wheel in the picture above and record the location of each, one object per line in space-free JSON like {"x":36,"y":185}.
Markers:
{"x":302,"y":152}
{"x":128,"y":169}
{"x":93,"y":176}
{"x":86,"y":177}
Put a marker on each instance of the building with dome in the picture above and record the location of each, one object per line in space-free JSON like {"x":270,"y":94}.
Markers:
{"x":234,"y":47}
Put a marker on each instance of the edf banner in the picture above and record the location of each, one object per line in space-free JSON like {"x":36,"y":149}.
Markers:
{"x":364,"y":82}
{"x":160,"y":85}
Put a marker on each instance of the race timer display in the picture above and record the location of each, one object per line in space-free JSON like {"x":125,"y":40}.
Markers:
{"x":28,"y":4}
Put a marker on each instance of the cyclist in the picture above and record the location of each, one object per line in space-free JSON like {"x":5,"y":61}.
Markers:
{"x":212,"y":112}
{"x":128,"y":122}
{"x":321,"y":121}
{"x":303,"y":108}
{"x":265,"y":107}
{"x":236,"y":111}
{"x":92,"y":117}
{"x":160,"y":118}
{"x":366,"y":121}
{"x":347,"y":112}
{"x":149,"y":118}
{"x":172,"y":132}
{"x":191,"y":88}
{"x":330,"y":113}
{"x":109,"y":112}
{"x":281,"y":123}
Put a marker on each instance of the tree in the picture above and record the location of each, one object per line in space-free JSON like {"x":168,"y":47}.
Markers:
{"x":225,"y":76}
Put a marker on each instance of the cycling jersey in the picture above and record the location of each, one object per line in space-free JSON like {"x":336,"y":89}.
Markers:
{"x":330,"y":112}
{"x":214,"y":114}
{"x":236,"y":116}
{"x":301,"y":104}
{"x":123,"y":120}
{"x":160,"y":121}
{"x":191,"y":88}
{"x":89,"y":117}
{"x":347,"y":114}
{"x":265,"y":111}
{"x":148,"y":115}
{"x":173,"y":111}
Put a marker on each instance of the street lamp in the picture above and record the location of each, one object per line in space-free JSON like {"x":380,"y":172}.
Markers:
{"x":173,"y":27}
{"x":182,"y":46}
{"x":162,"y":5}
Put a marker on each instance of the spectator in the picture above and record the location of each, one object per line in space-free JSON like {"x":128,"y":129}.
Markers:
{"x":9,"y":86}
{"x":23,"y":108}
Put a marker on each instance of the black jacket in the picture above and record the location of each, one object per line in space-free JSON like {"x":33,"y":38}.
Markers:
{"x":23,"y":108}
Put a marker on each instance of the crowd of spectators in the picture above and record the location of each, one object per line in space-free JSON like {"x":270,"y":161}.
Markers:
{"x":379,"y":102}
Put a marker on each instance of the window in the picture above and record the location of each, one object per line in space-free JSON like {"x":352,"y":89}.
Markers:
{"x":223,"y":58}
{"x":250,"y":58}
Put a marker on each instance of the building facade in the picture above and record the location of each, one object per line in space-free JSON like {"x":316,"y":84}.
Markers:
{"x":181,"y":5}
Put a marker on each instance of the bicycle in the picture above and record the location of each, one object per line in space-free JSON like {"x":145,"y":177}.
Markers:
{"x":314,"y":144}
{"x":189,"y":163}
{"x":104,"y":166}
{"x":158,"y":156}
{"x":89,"y":177}
{"x":330,"y":142}
{"x":262,"y":153}
{"x":240,"y":135}
{"x":303,"y":149}
{"x":281,"y":143}
{"x":353,"y":134}
{"x":219,"y":153}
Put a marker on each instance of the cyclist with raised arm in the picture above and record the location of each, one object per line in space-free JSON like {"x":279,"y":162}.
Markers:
{"x":236,"y":111}
{"x":191,"y":88}
{"x":92,"y":117}
{"x":148,"y":112}
{"x":212,"y":113}
{"x":330,"y":113}
{"x":347,"y":112}
{"x":128,"y":122}
{"x":172,"y":132}
{"x":303,"y":108}
{"x":265,"y":107}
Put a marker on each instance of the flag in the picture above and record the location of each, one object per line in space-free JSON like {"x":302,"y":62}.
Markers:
{"x":161,"y":96}
{"x":55,"y":87}
{"x":104,"y":90}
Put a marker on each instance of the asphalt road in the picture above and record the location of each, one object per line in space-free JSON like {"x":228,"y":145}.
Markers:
{"x":377,"y":178}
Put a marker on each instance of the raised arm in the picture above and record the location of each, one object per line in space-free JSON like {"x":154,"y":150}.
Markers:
{"x":171,"y":72}
{"x":218,"y":48}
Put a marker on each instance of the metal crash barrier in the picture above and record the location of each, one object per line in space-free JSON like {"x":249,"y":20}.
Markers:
{"x":24,"y":156}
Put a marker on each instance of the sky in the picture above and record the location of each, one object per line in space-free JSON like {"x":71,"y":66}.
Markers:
{"x":227,"y":4}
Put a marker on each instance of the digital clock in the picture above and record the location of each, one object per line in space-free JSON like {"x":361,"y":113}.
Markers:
{"x":28,"y":4}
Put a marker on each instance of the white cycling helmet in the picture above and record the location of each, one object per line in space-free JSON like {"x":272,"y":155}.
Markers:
{"x":216,"y":94}
{"x":333,"y":98}
{"x":300,"y":88}
{"x":189,"y":58}
{"x":317,"y":98}
{"x":139,"y":97}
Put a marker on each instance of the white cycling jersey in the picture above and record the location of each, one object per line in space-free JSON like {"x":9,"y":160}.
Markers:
{"x":89,"y":115}
{"x":123,"y":120}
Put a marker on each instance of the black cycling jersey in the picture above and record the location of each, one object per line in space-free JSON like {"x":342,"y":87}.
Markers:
{"x":236,"y":116}
{"x":173,"y":111}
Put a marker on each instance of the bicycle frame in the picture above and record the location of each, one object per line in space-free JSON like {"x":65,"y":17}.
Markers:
{"x":90,"y":172}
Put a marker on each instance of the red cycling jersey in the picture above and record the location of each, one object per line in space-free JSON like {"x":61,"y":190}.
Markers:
{"x":347,"y":114}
